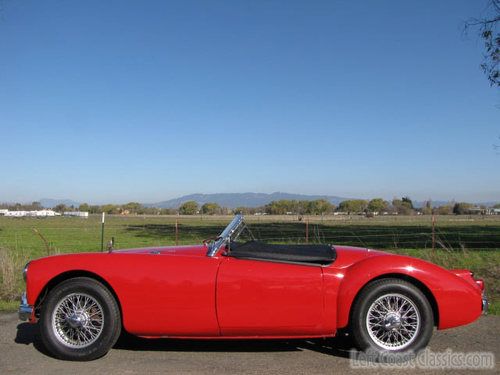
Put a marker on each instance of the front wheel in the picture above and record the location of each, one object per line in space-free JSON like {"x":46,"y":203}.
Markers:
{"x":80,"y":320}
{"x":392,"y":316}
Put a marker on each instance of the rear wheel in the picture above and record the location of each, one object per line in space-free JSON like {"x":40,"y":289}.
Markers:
{"x":80,"y":320}
{"x":392,"y":316}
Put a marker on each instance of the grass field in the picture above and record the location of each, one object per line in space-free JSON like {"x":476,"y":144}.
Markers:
{"x":460,"y":241}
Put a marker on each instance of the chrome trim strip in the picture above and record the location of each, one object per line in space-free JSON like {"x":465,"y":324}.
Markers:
{"x":25,"y":271}
{"x":485,"y":304}
{"x":25,"y":310}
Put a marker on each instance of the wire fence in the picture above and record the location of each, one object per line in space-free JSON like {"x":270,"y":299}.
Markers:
{"x":78,"y":235}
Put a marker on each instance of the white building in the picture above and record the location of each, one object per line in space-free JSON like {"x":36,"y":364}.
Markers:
{"x":82,"y":214}
{"x":44,"y":213}
{"x":16,"y":213}
{"x":38,"y":213}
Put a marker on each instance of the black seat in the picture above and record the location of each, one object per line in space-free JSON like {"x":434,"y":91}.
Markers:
{"x":309,"y":254}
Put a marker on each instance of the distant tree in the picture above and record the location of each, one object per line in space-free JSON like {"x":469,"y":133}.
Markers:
{"x":403,"y":206}
{"x":496,"y":205}
{"x":134,"y":208}
{"x":446,"y":209}
{"x":245,"y":210}
{"x":462,"y":208}
{"x":377,"y":205}
{"x":36,"y":206}
{"x":284,"y":206}
{"x":211,"y":208}
{"x":353,"y":205}
{"x":94,"y":209}
{"x":427,"y":208}
{"x":280,"y":207}
{"x":319,"y":207}
{"x":61,"y":208}
{"x":407,"y":201}
{"x":110,"y":209}
{"x":84,"y":207}
{"x":188,"y":208}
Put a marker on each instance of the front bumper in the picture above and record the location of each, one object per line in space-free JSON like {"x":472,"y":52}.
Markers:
{"x":25,"y":310}
{"x":485,"y":304}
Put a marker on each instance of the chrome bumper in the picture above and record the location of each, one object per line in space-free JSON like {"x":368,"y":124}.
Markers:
{"x":25,"y":310}
{"x":485,"y":304}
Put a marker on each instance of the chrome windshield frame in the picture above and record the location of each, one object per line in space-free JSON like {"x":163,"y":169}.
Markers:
{"x":225,"y":236}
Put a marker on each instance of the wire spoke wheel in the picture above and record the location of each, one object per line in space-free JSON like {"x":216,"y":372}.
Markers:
{"x":77,"y":320}
{"x":393,"y":321}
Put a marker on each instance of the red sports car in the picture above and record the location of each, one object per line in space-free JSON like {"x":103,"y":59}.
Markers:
{"x":229,"y":289}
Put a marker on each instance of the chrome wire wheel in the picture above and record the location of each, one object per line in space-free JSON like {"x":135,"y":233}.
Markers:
{"x":77,"y":320}
{"x":393,"y":321}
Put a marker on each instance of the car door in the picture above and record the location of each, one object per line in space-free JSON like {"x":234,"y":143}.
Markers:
{"x":166,"y":295}
{"x":265,"y":298}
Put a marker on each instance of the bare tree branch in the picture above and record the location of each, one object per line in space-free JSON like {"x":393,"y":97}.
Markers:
{"x":488,"y":31}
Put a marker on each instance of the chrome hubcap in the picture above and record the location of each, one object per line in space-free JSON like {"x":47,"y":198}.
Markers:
{"x":393,"y":321}
{"x":77,"y":320}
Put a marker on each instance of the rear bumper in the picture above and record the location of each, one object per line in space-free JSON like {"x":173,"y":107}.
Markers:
{"x":25,"y":311}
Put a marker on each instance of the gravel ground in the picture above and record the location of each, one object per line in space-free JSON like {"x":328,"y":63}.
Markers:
{"x":21,"y":352}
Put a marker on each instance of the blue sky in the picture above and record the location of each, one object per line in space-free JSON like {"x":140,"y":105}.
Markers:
{"x":113,"y":101}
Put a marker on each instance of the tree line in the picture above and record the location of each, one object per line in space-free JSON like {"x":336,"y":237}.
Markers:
{"x":400,"y":206}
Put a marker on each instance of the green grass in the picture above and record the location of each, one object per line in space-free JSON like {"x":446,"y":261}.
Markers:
{"x":8,"y":306}
{"x":461,"y":241}
{"x":494,"y":308}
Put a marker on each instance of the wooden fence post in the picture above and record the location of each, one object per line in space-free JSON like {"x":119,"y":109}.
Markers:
{"x":307,"y":230}
{"x":433,"y":233}
{"x":176,"y":232}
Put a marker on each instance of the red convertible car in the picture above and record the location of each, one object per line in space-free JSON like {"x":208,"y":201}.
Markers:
{"x":229,"y":289}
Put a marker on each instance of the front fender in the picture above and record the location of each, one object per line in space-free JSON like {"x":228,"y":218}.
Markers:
{"x":458,"y":302}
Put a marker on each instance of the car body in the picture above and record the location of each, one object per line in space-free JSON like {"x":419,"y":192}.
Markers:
{"x":214,"y":291}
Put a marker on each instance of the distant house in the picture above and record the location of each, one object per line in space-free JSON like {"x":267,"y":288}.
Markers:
{"x":38,"y":213}
{"x":483,"y":211}
{"x":44,"y":213}
{"x":16,"y":213}
{"x":3,"y":212}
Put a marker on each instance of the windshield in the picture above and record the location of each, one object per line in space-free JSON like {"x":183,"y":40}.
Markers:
{"x":230,"y":233}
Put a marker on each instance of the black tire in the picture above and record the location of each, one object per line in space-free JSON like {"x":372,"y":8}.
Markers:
{"x":399,"y":328}
{"x":98,"y":325}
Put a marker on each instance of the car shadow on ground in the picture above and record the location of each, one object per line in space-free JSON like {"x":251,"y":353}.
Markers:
{"x":342,"y":346}
{"x":28,"y":334}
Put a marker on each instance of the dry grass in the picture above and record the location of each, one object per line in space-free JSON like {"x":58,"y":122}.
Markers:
{"x":11,"y":266}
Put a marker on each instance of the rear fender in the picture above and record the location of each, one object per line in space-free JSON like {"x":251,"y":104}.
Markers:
{"x":457,"y":301}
